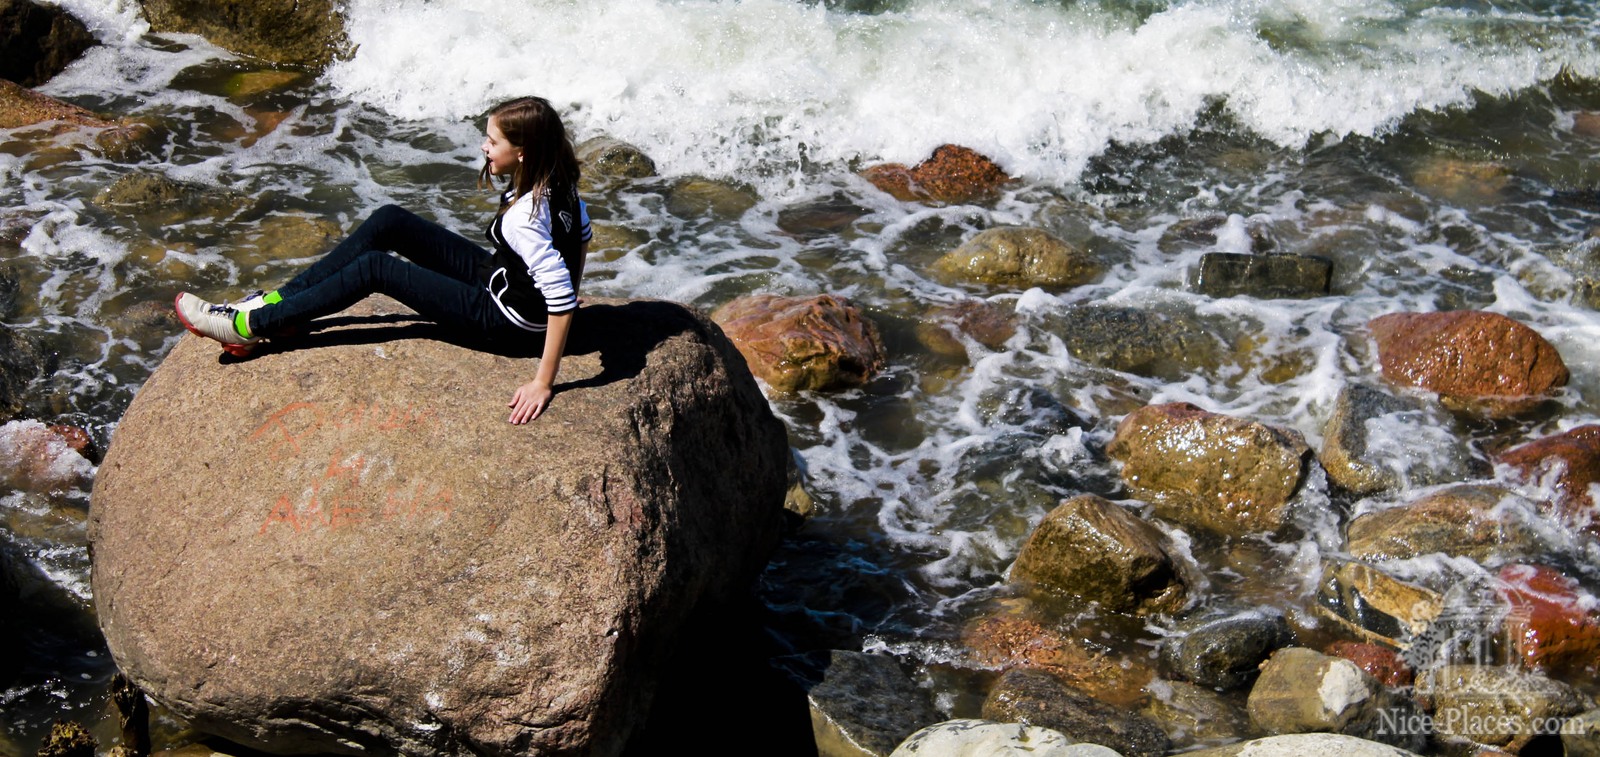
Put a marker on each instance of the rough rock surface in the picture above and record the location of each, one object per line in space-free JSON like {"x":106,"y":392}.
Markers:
{"x":1474,"y":360}
{"x":1138,"y":341}
{"x":37,"y":41}
{"x":1228,"y":274}
{"x":953,"y":174}
{"x":607,"y":159}
{"x":1580,"y":736}
{"x":1005,"y":640}
{"x":803,"y":343}
{"x":1467,"y":520}
{"x":1570,"y":461}
{"x":22,"y":359}
{"x":1376,"y":660}
{"x":1093,"y":550}
{"x":1499,"y":706}
{"x":295,"y":32}
{"x":1303,"y":691}
{"x":20,"y":106}
{"x":340,"y":545}
{"x":1306,"y":745}
{"x":1037,"y":698}
{"x":1227,"y":474}
{"x":1018,"y":258}
{"x":1193,"y":714}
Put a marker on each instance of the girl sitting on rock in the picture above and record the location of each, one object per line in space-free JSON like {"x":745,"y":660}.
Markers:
{"x":526,"y":288}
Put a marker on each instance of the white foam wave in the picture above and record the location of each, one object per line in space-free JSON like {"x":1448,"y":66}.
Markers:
{"x":741,"y":87}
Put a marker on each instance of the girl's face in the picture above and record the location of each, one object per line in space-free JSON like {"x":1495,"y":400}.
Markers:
{"x":502,"y":157}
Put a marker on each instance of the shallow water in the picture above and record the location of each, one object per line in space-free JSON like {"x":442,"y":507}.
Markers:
{"x":1340,"y":129}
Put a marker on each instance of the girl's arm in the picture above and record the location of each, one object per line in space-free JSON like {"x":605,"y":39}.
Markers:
{"x":531,"y":399}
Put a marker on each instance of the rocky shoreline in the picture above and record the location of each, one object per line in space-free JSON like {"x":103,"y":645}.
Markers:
{"x":1376,"y":663}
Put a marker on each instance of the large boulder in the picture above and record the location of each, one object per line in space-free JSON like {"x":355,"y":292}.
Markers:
{"x":1018,"y":258}
{"x":294,"y":32}
{"x":1227,"y":474}
{"x":1092,"y":550}
{"x":344,"y":547}
{"x":968,"y":737}
{"x":1305,"y":745}
{"x":1474,"y":360}
{"x":1500,"y":706}
{"x":37,"y":41}
{"x":804,"y":343}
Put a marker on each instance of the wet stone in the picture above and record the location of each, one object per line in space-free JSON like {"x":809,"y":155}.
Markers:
{"x":1223,"y":653}
{"x":161,"y":199}
{"x":694,"y":198}
{"x":1301,"y":690}
{"x":797,"y":344}
{"x":1193,"y":714}
{"x":1037,"y":698}
{"x":1004,"y":640}
{"x":607,"y":159}
{"x":295,"y":32}
{"x":1498,"y":706}
{"x":10,"y":295}
{"x":1482,"y":522}
{"x":952,"y":174}
{"x":1476,"y":361}
{"x":1018,"y":258}
{"x":1141,"y":342}
{"x":819,"y":218}
{"x":38,"y":41}
{"x":1376,"y":441}
{"x":68,"y":739}
{"x":1473,"y":182}
{"x":1206,"y":231}
{"x":1093,"y":550}
{"x":1570,"y":462}
{"x":22,"y":360}
{"x":1229,"y":274}
{"x":1372,"y":605}
{"x":1553,"y":623}
{"x":20,"y":106}
{"x":987,"y":324}
{"x":1580,"y":737}
{"x":1306,"y":745}
{"x":865,"y":705}
{"x":1376,"y":660}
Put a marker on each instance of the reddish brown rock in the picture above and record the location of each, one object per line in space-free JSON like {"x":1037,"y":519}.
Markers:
{"x":1375,"y":660}
{"x":985,"y":323}
{"x":20,"y":106}
{"x":37,"y":458}
{"x":1006,"y":640}
{"x":1474,"y":360}
{"x":1555,"y":624}
{"x":326,"y":550}
{"x":803,"y":343}
{"x":953,"y":174}
{"x":1227,"y":474}
{"x":1569,"y":462}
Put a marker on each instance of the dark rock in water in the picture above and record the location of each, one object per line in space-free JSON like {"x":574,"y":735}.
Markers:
{"x":1228,"y":274}
{"x":1580,"y":736}
{"x":1204,"y":232}
{"x":1092,"y":550}
{"x":864,"y":704}
{"x":37,"y":41}
{"x":819,"y":218}
{"x":1484,"y":523}
{"x":1419,"y":445}
{"x":1571,"y":461}
{"x":607,"y":159}
{"x":1498,"y":706}
{"x":1137,"y":341}
{"x":294,"y":32}
{"x":1226,"y":474}
{"x":1223,"y":653}
{"x":1034,"y":410}
{"x":1037,"y":698}
{"x":1018,"y":258}
{"x":1303,"y":691}
{"x":1374,"y":606}
{"x":804,"y":343}
{"x":363,"y":556}
{"x":953,"y":174}
{"x":1193,"y":714}
{"x":1478,"y":361}
{"x":10,"y":294}
{"x":21,"y":361}
{"x":163,"y":199}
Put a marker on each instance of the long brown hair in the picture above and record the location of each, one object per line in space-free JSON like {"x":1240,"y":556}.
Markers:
{"x":532,"y":125}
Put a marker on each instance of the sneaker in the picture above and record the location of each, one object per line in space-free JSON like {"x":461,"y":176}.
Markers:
{"x":213,"y":322}
{"x":250,"y":302}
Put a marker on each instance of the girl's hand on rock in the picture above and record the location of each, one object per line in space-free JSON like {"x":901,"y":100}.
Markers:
{"x":529,"y":401}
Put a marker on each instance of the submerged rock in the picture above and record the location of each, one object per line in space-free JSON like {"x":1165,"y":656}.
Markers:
{"x":39,"y":458}
{"x":693,"y":198}
{"x":1138,"y":341}
{"x":1481,"y":522}
{"x":1465,"y":181}
{"x":1018,"y":258}
{"x":864,"y":705}
{"x":986,"y":738}
{"x":294,"y":32}
{"x":1193,"y":714}
{"x":953,"y":174}
{"x":1568,"y":462}
{"x":1473,"y":360}
{"x":1003,"y":641}
{"x":1093,"y":550}
{"x":38,"y":41}
{"x":983,"y":322}
{"x":1375,"y":441}
{"x":1223,"y":653}
{"x":799,"y":344}
{"x":1227,"y":474}
{"x":1229,"y":274}
{"x":22,"y":360}
{"x":1034,"y":697}
{"x":397,"y":569}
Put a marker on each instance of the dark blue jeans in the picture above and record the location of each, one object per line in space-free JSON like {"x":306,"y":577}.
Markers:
{"x":438,"y":278}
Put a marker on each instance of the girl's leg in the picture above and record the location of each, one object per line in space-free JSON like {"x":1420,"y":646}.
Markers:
{"x":463,"y":306}
{"x":398,"y":230}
